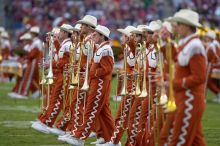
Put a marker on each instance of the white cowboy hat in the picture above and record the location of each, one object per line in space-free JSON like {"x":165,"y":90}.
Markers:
{"x":142,"y":27}
{"x":211,"y":34}
{"x":67,"y":28}
{"x":4,"y":34}
{"x":102,"y":30}
{"x":89,"y":20}
{"x":168,"y":26}
{"x":2,"y":29}
{"x":26,"y":36}
{"x":127,"y":31}
{"x":76,"y":27}
{"x":137,"y":30}
{"x":186,"y":16}
{"x":154,"y":26}
{"x":35,"y":29}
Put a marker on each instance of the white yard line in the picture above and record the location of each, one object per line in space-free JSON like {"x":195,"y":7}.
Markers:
{"x":33,"y":109}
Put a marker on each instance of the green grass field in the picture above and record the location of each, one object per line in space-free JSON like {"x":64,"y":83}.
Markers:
{"x":15,"y":117}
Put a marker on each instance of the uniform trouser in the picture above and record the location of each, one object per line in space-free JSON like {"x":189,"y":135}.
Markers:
{"x":17,"y":85}
{"x":213,"y":86}
{"x":187,"y":128}
{"x":64,"y":120}
{"x":55,"y":102}
{"x":134,"y":121}
{"x":31,"y":78}
{"x":97,"y":107}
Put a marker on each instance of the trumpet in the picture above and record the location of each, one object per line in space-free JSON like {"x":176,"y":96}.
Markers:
{"x":171,"y":105}
{"x":72,"y":62}
{"x":144,"y":90}
{"x":124,"y":86}
{"x":85,"y":86}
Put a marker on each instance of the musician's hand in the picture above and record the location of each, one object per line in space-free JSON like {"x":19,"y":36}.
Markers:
{"x":132,"y":45}
{"x":81,"y":37}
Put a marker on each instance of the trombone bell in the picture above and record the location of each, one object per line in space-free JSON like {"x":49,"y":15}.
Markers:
{"x":43,"y":81}
{"x":163,"y":99}
{"x":50,"y":81}
{"x":85,"y":87}
{"x":143,"y":93}
{"x":171,"y":106}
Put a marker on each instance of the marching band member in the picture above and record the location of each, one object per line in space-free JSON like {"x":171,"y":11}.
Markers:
{"x":135,"y":111}
{"x":63,"y":121}
{"x":5,"y":45}
{"x":122,"y":117}
{"x":213,"y":54}
{"x":99,"y":92}
{"x":55,"y":105}
{"x":189,"y":83}
{"x":16,"y":91}
{"x":79,"y":97}
{"x":31,"y":73}
{"x":145,"y":135}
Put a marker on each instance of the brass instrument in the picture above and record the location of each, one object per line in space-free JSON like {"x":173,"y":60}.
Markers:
{"x":171,"y":105}
{"x":163,"y":97}
{"x":50,"y":72}
{"x":144,"y":90}
{"x":72,"y":62}
{"x":137,"y":91}
{"x":85,"y":86}
{"x":76,"y":79}
{"x":43,"y":79}
{"x":124,"y":91}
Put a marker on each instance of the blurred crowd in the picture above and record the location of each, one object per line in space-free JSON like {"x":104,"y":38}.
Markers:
{"x":21,"y":15}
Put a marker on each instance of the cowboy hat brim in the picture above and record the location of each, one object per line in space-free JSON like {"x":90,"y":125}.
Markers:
{"x":85,"y":22}
{"x":123,"y":31}
{"x":184,"y":21}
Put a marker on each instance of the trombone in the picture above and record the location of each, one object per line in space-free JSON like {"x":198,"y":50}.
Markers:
{"x":85,"y":86}
{"x":72,"y":63}
{"x":171,"y":105}
{"x":50,"y":72}
{"x":124,"y":91}
{"x":163,"y":96}
{"x":144,"y":87}
{"x":137,"y":91}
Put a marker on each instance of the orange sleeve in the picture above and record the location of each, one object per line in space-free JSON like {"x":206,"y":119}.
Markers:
{"x":211,"y":56}
{"x":34,"y":53}
{"x":106,"y":64}
{"x":197,"y":67}
{"x":62,"y":61}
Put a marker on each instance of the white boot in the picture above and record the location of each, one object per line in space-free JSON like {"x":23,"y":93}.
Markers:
{"x":217,"y":99}
{"x":36,"y":94}
{"x":56,"y":131}
{"x":64,"y":137}
{"x":39,"y":126}
{"x":92,"y":134}
{"x":99,"y":141}
{"x":75,"y":141}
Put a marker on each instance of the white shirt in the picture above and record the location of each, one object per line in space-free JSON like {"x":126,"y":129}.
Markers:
{"x":65,"y":47}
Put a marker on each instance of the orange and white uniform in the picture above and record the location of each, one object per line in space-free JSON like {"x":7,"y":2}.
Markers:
{"x":98,"y":106}
{"x":122,"y":116}
{"x":32,"y":73}
{"x":57,"y":93}
{"x":189,"y":93}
